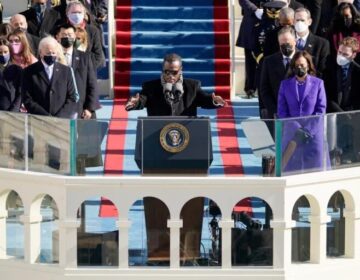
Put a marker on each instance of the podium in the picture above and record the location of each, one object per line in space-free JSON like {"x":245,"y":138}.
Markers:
{"x":173,"y":146}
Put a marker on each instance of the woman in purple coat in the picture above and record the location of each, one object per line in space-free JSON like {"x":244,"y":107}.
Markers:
{"x":302,"y":96}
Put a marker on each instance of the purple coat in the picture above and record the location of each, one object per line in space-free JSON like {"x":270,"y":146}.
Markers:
{"x":309,"y":152}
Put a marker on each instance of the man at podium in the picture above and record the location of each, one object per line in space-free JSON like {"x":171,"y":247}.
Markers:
{"x":172,"y":95}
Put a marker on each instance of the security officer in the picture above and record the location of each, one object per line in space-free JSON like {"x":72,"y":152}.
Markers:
{"x":252,"y":12}
{"x":264,"y":29}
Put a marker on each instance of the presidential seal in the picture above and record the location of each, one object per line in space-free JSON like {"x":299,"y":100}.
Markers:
{"x":174,"y":137}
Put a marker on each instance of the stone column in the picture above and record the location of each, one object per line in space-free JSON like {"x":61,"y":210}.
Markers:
{"x":352,"y":234}
{"x":124,"y":226}
{"x":226,"y":229}
{"x":3,"y":216}
{"x":281,"y":243}
{"x":174,"y":226}
{"x":32,"y":237}
{"x":68,"y":243}
{"x":318,"y":238}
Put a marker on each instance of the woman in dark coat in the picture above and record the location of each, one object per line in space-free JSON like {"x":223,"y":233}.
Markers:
{"x":300,"y":96}
{"x":10,"y":80}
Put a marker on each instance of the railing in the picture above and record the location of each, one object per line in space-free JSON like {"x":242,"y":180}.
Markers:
{"x":239,"y":147}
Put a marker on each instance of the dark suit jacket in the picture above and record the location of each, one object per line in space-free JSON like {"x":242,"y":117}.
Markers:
{"x":319,"y":48}
{"x":272,"y":73}
{"x":46,"y":26}
{"x":49,"y":98}
{"x":94,"y":46}
{"x":342,"y":98}
{"x":10,"y":88}
{"x":246,"y":38}
{"x":33,"y":42}
{"x":152,"y":97}
{"x":85,"y":80}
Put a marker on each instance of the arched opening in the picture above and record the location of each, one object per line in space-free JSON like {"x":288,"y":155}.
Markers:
{"x":335,"y":238}
{"x":200,"y":235}
{"x":14,"y":227}
{"x":97,"y":236}
{"x":252,"y":237}
{"x":49,"y":237}
{"x":149,"y":235}
{"x":300,"y":236}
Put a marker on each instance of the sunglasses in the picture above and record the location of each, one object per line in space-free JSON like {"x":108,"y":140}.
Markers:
{"x":171,"y":72}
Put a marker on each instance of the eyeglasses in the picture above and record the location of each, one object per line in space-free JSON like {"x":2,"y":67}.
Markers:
{"x":171,"y":72}
{"x":14,"y":41}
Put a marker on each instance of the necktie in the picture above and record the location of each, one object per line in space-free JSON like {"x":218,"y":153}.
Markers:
{"x":344,"y":75}
{"x":300,"y":44}
{"x":287,"y":62}
{"x":68,"y":59}
{"x":48,"y":72}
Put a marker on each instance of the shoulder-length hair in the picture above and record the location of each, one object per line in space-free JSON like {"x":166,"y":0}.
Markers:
{"x":25,"y":53}
{"x":307,"y":56}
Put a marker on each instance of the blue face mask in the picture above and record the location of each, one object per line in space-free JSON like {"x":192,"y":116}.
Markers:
{"x":76,"y":18}
{"x":4,"y":58}
{"x":49,"y":59}
{"x":39,"y":8}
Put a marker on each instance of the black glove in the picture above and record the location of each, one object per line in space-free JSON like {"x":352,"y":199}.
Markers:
{"x":302,"y":136}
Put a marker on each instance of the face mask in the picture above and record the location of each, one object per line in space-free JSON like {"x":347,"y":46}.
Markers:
{"x":49,"y":59}
{"x":16,"y":47}
{"x":347,"y":21}
{"x":301,"y":27}
{"x":77,"y":43}
{"x":67,"y":42}
{"x":300,"y":72}
{"x":39,"y":8}
{"x":76,"y":18}
{"x":286,"y":49}
{"x":342,"y":60}
{"x":4,"y":58}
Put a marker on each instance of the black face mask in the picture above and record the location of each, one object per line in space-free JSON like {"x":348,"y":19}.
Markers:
{"x":300,"y":72}
{"x":347,"y":22}
{"x":286,"y":49}
{"x":49,"y":59}
{"x":67,"y":42}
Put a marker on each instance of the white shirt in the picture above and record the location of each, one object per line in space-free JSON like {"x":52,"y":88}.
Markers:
{"x":68,"y":56}
{"x":303,"y":38}
{"x":48,"y":69}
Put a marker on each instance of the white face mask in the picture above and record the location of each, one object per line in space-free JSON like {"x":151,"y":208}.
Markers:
{"x":342,"y":60}
{"x":76,"y":18}
{"x":301,"y":27}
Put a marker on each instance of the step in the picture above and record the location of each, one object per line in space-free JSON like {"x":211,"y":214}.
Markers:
{"x":194,"y":12}
{"x":138,"y":77}
{"x":189,"y":64}
{"x":172,"y":3}
{"x":125,"y":92}
{"x":165,"y":38}
{"x":155,"y":51}
{"x":172,"y":25}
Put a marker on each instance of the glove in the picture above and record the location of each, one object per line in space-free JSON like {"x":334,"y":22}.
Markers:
{"x":259,"y":13}
{"x":302,"y":136}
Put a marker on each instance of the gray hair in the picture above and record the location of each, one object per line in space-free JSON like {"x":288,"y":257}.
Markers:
{"x":75,"y":3}
{"x":302,"y":9}
{"x":172,"y":57}
{"x":286,"y":12}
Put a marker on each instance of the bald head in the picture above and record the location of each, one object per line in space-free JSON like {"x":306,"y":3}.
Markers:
{"x":18,"y":21}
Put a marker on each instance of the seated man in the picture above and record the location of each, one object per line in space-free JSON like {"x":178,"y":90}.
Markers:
{"x":48,"y":87}
{"x":172,"y":95}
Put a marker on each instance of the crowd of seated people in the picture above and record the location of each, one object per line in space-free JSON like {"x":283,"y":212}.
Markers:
{"x":49,"y":56}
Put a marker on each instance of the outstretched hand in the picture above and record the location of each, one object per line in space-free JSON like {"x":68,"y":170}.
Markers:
{"x":132,"y":102}
{"x":218,"y":100}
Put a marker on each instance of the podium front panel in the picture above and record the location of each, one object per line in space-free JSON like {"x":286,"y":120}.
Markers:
{"x":173,"y":145}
